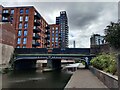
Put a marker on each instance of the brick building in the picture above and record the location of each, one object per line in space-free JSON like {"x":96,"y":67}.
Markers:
{"x":29,"y":25}
{"x":8,"y":34}
{"x":1,"y":12}
{"x":32,"y":30}
{"x":7,"y":43}
{"x":54,"y":36}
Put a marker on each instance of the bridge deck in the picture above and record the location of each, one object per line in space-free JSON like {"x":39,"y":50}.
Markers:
{"x":83,"y":78}
{"x":53,"y":55}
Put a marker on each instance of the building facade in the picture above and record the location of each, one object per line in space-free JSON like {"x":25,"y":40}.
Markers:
{"x":62,"y":20}
{"x":54,"y":36}
{"x":1,"y":13}
{"x":97,"y":39}
{"x":32,"y":30}
{"x":7,"y":43}
{"x":29,"y":25}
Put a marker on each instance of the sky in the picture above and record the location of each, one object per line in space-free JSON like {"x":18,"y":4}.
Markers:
{"x":84,"y":18}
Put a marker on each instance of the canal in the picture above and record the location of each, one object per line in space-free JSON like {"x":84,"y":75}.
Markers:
{"x":35,"y":79}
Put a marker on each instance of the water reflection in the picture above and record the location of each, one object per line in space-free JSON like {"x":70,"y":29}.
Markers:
{"x":35,"y":79}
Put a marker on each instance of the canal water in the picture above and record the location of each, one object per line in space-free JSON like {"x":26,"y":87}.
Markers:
{"x":35,"y":79}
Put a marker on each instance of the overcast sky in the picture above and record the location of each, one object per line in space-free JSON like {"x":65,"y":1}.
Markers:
{"x":84,"y":18}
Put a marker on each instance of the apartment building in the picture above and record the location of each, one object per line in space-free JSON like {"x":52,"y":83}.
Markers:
{"x":62,"y":20}
{"x":30,"y":26}
{"x":54,"y":36}
{"x":32,"y":30}
{"x":97,"y":39}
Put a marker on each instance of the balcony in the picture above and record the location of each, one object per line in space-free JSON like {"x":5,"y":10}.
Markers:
{"x":37,"y":16}
{"x":47,"y":38}
{"x":36,"y":30}
{"x":34,"y":44}
{"x":47,"y":32}
{"x":48,"y":46}
{"x":5,"y":14}
{"x":47,"y":27}
{"x":36,"y":23}
{"x":5,"y":20}
{"x":36,"y":36}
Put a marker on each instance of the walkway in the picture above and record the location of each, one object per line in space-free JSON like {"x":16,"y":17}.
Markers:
{"x":83,"y":78}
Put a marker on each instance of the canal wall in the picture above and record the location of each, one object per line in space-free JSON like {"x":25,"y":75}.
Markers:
{"x":6,"y":55}
{"x":109,"y":80}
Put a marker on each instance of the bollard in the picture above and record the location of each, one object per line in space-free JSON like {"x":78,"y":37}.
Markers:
{"x":118,"y":72}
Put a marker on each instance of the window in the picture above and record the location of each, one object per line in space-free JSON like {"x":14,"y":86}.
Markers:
{"x":11,"y":18}
{"x":27,"y":11}
{"x":26,"y":25}
{"x":53,"y":28}
{"x":5,"y":11}
{"x":56,"y":28}
{"x":56,"y":34}
{"x":4,"y":18}
{"x":52,"y":39}
{"x":18,"y":46}
{"x":19,"y":32}
{"x":21,"y":18}
{"x":26,"y":18}
{"x":20,"y":25}
{"x":23,"y":46}
{"x":24,"y":40}
{"x":52,"y":44}
{"x":56,"y":44}
{"x":52,"y":31}
{"x":53,"y":34}
{"x":12,"y":11}
{"x":19,"y":41}
{"x":56,"y":31}
{"x":21,"y":11}
{"x":25,"y":32}
{"x":56,"y":39}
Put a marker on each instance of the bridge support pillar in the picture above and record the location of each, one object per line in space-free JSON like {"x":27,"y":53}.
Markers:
{"x":49,"y":63}
{"x":55,"y":64}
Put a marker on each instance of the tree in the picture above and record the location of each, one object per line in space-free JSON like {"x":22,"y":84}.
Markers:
{"x":113,"y":35}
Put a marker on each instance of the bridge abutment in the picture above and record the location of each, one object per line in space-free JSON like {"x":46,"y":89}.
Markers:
{"x":24,"y":65}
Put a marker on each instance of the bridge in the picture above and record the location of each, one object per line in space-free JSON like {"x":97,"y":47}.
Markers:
{"x":27,"y":57}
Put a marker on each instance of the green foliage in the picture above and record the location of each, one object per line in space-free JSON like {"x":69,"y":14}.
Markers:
{"x":105,"y":62}
{"x":113,"y":35}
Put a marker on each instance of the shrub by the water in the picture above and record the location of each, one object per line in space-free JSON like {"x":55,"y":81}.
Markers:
{"x":105,"y":62}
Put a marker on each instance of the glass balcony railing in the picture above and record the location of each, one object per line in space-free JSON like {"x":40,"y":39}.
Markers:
{"x":5,"y":13}
{"x":36,"y":23}
{"x":34,"y":44}
{"x":36,"y":36}
{"x":37,"y":15}
{"x":47,"y":27}
{"x":36,"y":30}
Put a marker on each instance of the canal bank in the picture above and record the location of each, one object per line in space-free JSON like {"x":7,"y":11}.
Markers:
{"x":83,"y":78}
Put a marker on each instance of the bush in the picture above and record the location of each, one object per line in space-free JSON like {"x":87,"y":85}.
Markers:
{"x":105,"y":62}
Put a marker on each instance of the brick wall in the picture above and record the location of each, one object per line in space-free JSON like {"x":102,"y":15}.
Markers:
{"x":8,"y":34}
{"x":0,"y":13}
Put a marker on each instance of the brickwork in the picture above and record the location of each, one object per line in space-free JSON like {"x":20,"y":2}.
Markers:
{"x":35,"y":21}
{"x":8,"y":34}
{"x":54,"y":36}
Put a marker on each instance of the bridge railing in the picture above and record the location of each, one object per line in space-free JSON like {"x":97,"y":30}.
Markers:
{"x":30,"y":50}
